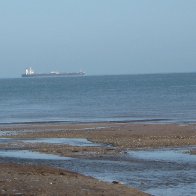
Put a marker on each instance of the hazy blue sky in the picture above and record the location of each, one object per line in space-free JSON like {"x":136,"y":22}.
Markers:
{"x":97,"y":36}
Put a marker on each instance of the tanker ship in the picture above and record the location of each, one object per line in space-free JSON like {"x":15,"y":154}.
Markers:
{"x":29,"y":72}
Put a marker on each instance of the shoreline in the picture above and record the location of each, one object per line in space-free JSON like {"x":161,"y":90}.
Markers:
{"x":116,"y":137}
{"x":155,"y":121}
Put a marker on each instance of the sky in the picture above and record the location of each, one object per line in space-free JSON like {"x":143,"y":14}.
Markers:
{"x":97,"y":36}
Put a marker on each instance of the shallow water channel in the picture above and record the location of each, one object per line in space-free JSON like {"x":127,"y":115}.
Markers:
{"x":158,"y":172}
{"x":68,"y":141}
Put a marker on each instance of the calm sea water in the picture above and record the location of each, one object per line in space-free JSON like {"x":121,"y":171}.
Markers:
{"x":150,"y":98}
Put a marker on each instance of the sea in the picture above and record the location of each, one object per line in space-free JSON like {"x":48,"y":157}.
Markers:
{"x":143,"y":98}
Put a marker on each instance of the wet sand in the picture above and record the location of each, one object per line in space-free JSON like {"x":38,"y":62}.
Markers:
{"x":117,"y":137}
{"x":42,"y":180}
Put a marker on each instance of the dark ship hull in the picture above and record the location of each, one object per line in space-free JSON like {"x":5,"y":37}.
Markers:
{"x":36,"y":75}
{"x":29,"y":73}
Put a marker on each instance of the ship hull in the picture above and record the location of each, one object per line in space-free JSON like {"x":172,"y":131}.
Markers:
{"x":53,"y":75}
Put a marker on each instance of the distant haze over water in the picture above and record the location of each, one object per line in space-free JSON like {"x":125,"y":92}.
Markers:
{"x":146,"y":98}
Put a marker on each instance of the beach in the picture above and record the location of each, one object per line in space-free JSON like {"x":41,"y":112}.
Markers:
{"x":108,"y":140}
{"x":98,"y":98}
{"x":41,"y":180}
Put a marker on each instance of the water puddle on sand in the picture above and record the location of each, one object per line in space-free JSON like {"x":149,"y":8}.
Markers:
{"x":82,"y":142}
{"x":14,"y":133}
{"x":7,"y":133}
{"x":69,"y":141}
{"x":26,"y":154}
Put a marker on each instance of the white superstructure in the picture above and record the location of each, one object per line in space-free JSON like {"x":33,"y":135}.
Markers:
{"x":29,"y":71}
